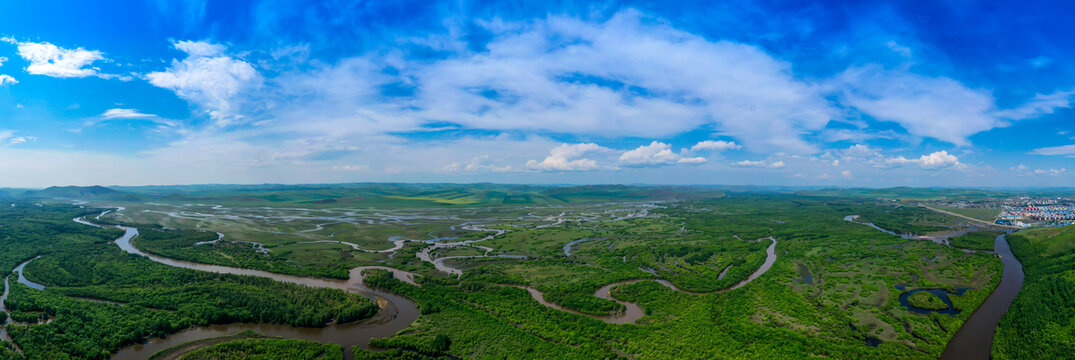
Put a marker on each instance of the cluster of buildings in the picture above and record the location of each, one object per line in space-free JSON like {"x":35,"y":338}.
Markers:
{"x":1025,"y":212}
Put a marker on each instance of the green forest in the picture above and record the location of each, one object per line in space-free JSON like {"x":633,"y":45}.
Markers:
{"x":832,"y":290}
{"x":1041,"y":321}
{"x":98,"y":299}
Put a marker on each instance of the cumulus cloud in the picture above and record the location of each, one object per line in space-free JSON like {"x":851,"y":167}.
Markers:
{"x":208,"y":78}
{"x":718,"y":145}
{"x":936,"y":160}
{"x":568,"y":157}
{"x":656,"y":153}
{"x":860,"y":153}
{"x":51,"y":60}
{"x":7,"y":80}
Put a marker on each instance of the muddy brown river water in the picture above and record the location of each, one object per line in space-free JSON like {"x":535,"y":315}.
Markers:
{"x":975,"y":339}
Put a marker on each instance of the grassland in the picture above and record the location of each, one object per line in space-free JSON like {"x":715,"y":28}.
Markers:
{"x":984,"y":214}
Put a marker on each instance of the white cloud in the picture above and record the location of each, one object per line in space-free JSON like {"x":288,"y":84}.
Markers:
{"x":209,"y":79}
{"x":569,"y":76}
{"x":860,"y":152}
{"x":2,"y":60}
{"x":120,"y":114}
{"x":846,"y":174}
{"x":199,"y":48}
{"x":935,"y":107}
{"x":833,"y":135}
{"x":719,"y":145}
{"x":51,"y":60}
{"x":692,"y":160}
{"x":760,"y":163}
{"x":568,"y":157}
{"x":478,"y":163}
{"x":9,"y":137}
{"x":1023,"y":170}
{"x":1050,"y":172}
{"x":1055,"y":150}
{"x":936,"y":160}
{"x":750,"y":163}
{"x":21,"y":139}
{"x":1041,"y":104}
{"x":7,"y":80}
{"x":656,"y":153}
{"x":125,"y":114}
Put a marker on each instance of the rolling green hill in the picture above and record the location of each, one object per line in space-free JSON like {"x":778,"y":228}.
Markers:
{"x":95,"y":192}
{"x":907,"y":193}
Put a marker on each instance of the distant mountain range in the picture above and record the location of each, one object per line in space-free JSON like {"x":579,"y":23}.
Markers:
{"x":95,"y":192}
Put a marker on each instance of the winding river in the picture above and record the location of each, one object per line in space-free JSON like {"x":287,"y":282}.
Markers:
{"x":974,"y":340}
{"x":397,"y":312}
{"x":632,"y":311}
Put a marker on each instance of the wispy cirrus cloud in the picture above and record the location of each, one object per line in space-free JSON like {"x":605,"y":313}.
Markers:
{"x":1063,"y":150}
{"x":121,"y":114}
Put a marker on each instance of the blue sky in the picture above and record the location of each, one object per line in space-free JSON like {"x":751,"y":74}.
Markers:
{"x":930,"y":93}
